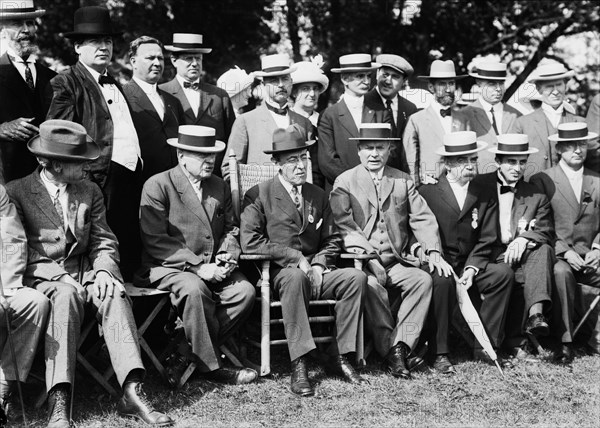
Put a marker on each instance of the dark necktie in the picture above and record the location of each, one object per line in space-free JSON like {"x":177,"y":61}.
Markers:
{"x":58,"y":207}
{"x":29,"y":77}
{"x":280,"y":111}
{"x":390,"y":112}
{"x":106,"y":79}
{"x":296,"y":199}
{"x":195,"y":86}
{"x":494,"y":124}
{"x":446,"y":112}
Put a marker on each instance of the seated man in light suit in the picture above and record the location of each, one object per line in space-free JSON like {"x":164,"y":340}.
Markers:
{"x":574,"y":193}
{"x":378,"y":211}
{"x":73,"y":259}
{"x":27,"y":310}
{"x":191,"y":248}
{"x":291,"y":220}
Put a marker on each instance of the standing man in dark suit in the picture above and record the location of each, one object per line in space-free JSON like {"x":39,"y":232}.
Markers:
{"x":291,"y":220}
{"x":203,"y":104}
{"x":574,"y":193}
{"x":551,"y":82}
{"x":73,"y":259}
{"x":191,"y":248}
{"x":527,"y":238}
{"x":341,"y":121}
{"x":592,"y":161}
{"x":86,"y":94}
{"x":488,"y":116}
{"x":25,"y":92}
{"x":467,"y":216}
{"x":156,"y":114}
{"x":392,"y":75}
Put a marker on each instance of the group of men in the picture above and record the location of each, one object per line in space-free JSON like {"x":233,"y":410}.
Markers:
{"x":107,"y":184}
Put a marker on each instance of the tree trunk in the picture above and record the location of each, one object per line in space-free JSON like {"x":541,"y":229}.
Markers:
{"x":292,"y":23}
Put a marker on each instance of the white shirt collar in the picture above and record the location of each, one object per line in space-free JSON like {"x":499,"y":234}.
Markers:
{"x":287,"y":185}
{"x":548,"y":109}
{"x":181,"y":80}
{"x":502,"y":180}
{"x":148,"y":88}
{"x":52,"y":187}
{"x":487,"y":106}
{"x":378,"y":175}
{"x":273,"y":104}
{"x":30,"y":59}
{"x":437,"y":106}
{"x":352,"y":101}
{"x":93,"y":72}
{"x":571,"y":174}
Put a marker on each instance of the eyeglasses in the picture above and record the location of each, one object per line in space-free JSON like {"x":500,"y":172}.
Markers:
{"x":191,"y":58}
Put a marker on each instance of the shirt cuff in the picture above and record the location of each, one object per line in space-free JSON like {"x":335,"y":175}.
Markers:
{"x":414,"y":248}
{"x":472,"y":267}
{"x":595,"y":247}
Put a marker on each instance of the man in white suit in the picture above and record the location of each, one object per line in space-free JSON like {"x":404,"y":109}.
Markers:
{"x":488,"y":116}
{"x":425,"y":130}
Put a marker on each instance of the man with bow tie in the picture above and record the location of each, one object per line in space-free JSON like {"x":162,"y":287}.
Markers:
{"x":574,"y":193}
{"x":156,"y":114}
{"x":86,"y":94}
{"x":25,"y":92}
{"x":425,"y":130}
{"x":527,"y":235}
{"x":203,"y":104}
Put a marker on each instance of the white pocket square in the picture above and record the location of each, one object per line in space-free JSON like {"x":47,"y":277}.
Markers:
{"x":319,"y":224}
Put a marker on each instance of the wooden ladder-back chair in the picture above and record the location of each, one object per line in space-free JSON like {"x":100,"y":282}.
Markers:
{"x":242,"y":177}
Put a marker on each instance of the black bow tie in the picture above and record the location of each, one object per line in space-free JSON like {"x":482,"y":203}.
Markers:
{"x":505,"y":189}
{"x":195,"y":86}
{"x":281,"y":111}
{"x":105,"y":78}
{"x":446,"y":112}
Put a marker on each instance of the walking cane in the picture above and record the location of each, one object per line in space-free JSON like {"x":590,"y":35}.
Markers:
{"x":79,"y":280}
{"x":11,"y":345}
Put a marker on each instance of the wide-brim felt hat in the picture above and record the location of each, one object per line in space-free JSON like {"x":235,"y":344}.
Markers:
{"x":307,"y":72}
{"x":461,"y":143}
{"x":572,"y":131}
{"x":288,"y":140}
{"x":274,"y":65}
{"x":375,"y":132}
{"x":395,"y":62}
{"x":442,"y":70}
{"x":92,"y":21}
{"x":63,"y":139}
{"x":187,"y":42}
{"x":195,"y":138}
{"x":25,"y":10}
{"x":548,"y":72}
{"x":490,"y":71}
{"x":513,"y":144}
{"x":354,"y":63}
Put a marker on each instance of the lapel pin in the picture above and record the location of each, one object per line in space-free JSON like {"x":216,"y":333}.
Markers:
{"x":311,"y":219}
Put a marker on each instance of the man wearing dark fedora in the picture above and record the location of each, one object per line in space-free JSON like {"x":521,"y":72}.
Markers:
{"x":253,"y":131}
{"x":574,"y":194}
{"x":88,"y":95}
{"x":467,"y":217}
{"x":391,"y":77}
{"x":291,"y":220}
{"x":526,"y":235}
{"x":425,"y":130}
{"x":341,"y":121}
{"x":73,"y":259}
{"x":24,"y":87}
{"x":203,"y":104}
{"x":379,"y":211}
{"x":191,"y":248}
{"x":488,"y":116}
{"x":551,"y":82}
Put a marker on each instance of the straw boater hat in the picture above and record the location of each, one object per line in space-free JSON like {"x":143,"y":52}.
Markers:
{"x":553,"y":71}
{"x":63,"y":139}
{"x":22,"y":9}
{"x":461,"y":143}
{"x":92,"y":21}
{"x":442,"y":70}
{"x":513,"y":144}
{"x":489,"y":71}
{"x":309,"y":72}
{"x":572,"y":131}
{"x":235,"y":80}
{"x":195,"y":138}
{"x":375,"y":131}
{"x":187,"y":42}
{"x":356,"y":62}
{"x":467,"y":98}
{"x":290,"y":139}
{"x":274,"y":65}
{"x":396,"y":62}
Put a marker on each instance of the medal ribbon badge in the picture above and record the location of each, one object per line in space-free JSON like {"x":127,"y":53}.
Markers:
{"x":474,"y":217}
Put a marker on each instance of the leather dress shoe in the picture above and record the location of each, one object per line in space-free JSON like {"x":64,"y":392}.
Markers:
{"x":565,"y":354}
{"x":232,"y":375}
{"x":341,"y":367}
{"x":395,"y":363}
{"x":59,"y":399}
{"x":135,"y":404}
{"x":443,"y":365}
{"x":416,"y":360}
{"x":481,"y":355}
{"x":299,"y":383}
{"x":10,"y":410}
{"x":537,"y":325}
{"x":175,"y":366}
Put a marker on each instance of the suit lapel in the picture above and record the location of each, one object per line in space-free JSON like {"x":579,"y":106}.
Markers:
{"x":43,"y":200}
{"x":140,"y":97}
{"x":434,"y":124}
{"x":447,"y":195}
{"x":92,"y":87}
{"x":188,"y":195}
{"x":368,"y":115}
{"x":285,"y":201}
{"x":346,"y":119}
{"x":564,"y":187}
{"x":209,"y":200}
{"x":470,"y":200}
{"x":481,"y":116}
{"x":367,"y":187}
{"x":385,"y":187}
{"x":72,"y":209}
{"x":587,"y":190}
{"x":177,"y":91}
{"x":518,"y":210}
{"x":307,"y":208}
{"x":507,"y":120}
{"x":205,"y":102}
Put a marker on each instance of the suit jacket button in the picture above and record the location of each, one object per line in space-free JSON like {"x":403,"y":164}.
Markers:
{"x":207,"y":236}
{"x":57,"y":238}
{"x":546,"y":157}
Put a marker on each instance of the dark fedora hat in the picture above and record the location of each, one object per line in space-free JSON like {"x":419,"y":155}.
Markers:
{"x":289,"y":139}
{"x":92,"y":21}
{"x":63,"y":139}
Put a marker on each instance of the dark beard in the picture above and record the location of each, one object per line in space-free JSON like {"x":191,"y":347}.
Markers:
{"x":446,"y":100}
{"x":24,"y":48}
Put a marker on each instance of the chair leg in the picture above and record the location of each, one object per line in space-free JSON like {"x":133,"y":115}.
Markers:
{"x":265,"y":337}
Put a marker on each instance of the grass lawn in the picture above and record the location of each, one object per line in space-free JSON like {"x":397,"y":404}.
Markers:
{"x":537,"y":393}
